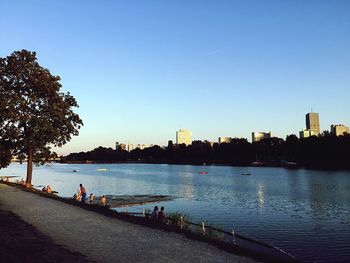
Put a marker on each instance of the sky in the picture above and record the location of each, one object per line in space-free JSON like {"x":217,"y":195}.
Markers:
{"x":141,"y":70}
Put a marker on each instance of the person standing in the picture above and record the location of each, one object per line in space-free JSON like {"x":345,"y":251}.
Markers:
{"x":103,"y":200}
{"x":82,"y":193}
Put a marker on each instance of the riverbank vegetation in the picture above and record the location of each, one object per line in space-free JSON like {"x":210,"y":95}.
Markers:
{"x":325,"y":151}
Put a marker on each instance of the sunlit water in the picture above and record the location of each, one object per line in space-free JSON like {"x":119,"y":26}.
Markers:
{"x":306,"y":213}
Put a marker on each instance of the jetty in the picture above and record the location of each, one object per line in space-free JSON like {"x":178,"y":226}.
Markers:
{"x":115,"y":201}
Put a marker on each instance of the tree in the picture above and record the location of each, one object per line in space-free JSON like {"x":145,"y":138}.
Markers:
{"x":5,"y":153}
{"x":35,"y":114}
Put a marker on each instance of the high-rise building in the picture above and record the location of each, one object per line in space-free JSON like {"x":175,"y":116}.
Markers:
{"x":183,"y":136}
{"x":225,"y":140}
{"x":312,"y":122}
{"x":130,"y":147}
{"x":257,"y":136}
{"x":117,"y":145}
{"x":339,"y":129}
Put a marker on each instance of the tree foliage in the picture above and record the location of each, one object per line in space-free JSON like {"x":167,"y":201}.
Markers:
{"x":35,"y":115}
{"x":326,"y":151}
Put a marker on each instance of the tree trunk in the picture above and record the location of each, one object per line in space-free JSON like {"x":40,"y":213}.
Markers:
{"x":29,"y":168}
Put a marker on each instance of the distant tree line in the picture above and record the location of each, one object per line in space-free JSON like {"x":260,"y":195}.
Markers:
{"x":325,"y":151}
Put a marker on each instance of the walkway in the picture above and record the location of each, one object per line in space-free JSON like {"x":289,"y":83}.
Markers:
{"x":105,"y":239}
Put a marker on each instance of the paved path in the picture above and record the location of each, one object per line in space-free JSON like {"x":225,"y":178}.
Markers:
{"x":105,"y":239}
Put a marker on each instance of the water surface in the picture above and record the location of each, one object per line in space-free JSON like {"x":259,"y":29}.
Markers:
{"x":304,"y":212}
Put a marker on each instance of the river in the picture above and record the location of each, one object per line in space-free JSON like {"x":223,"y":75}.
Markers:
{"x":304,"y":212}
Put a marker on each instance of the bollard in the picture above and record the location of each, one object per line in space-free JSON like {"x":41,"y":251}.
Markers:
{"x":181,"y":220}
{"x":203,"y":228}
{"x":144,"y":212}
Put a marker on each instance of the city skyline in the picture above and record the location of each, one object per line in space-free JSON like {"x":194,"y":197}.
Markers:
{"x":141,"y":71}
{"x":184,"y":136}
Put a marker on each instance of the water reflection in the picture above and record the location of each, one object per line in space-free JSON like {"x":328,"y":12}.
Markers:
{"x":261,"y":195}
{"x":186,"y":184}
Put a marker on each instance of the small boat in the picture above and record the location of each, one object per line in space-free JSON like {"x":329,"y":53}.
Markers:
{"x":245,"y":173}
{"x":74,"y":171}
{"x":101,"y":169}
{"x":202,"y":172}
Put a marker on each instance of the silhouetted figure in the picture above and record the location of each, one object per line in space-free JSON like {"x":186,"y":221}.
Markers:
{"x":162,"y":216}
{"x":154,"y":215}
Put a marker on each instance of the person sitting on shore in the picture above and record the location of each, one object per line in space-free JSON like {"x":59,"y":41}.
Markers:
{"x":78,"y":196}
{"x":22,"y":182}
{"x":154,"y":215}
{"x":48,"y":189}
{"x":103,"y":200}
{"x":44,"y":189}
{"x":91,"y":199}
{"x":162,"y":216}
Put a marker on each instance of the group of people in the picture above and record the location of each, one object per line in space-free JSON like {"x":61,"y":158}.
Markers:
{"x":81,"y":194}
{"x":47,"y":189}
{"x":159,"y":216}
{"x":81,"y":197}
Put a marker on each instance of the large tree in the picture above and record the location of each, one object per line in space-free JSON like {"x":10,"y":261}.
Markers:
{"x":35,"y":115}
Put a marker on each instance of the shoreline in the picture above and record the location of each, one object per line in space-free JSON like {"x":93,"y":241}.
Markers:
{"x":136,"y":221}
{"x":319,"y":167}
{"x":314,"y":167}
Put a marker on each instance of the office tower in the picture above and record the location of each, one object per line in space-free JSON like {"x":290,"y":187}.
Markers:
{"x":339,"y":129}
{"x":117,"y":146}
{"x":257,"y":136}
{"x":312,"y":122}
{"x":183,"y":136}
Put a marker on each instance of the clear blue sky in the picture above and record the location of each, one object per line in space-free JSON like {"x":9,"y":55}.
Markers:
{"x":140,"y":70}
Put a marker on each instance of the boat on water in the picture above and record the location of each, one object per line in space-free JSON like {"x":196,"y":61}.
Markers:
{"x":101,"y":169}
{"x":203,"y":172}
{"x":246,"y":174}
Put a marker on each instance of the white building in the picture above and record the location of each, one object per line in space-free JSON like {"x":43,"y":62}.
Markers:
{"x":225,"y":140}
{"x":339,"y":129}
{"x":257,"y":136}
{"x":183,"y":136}
{"x":307,"y":133}
{"x":141,"y":146}
{"x":130,"y":147}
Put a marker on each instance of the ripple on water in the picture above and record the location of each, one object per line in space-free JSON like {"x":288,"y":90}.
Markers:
{"x":306,"y":213}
